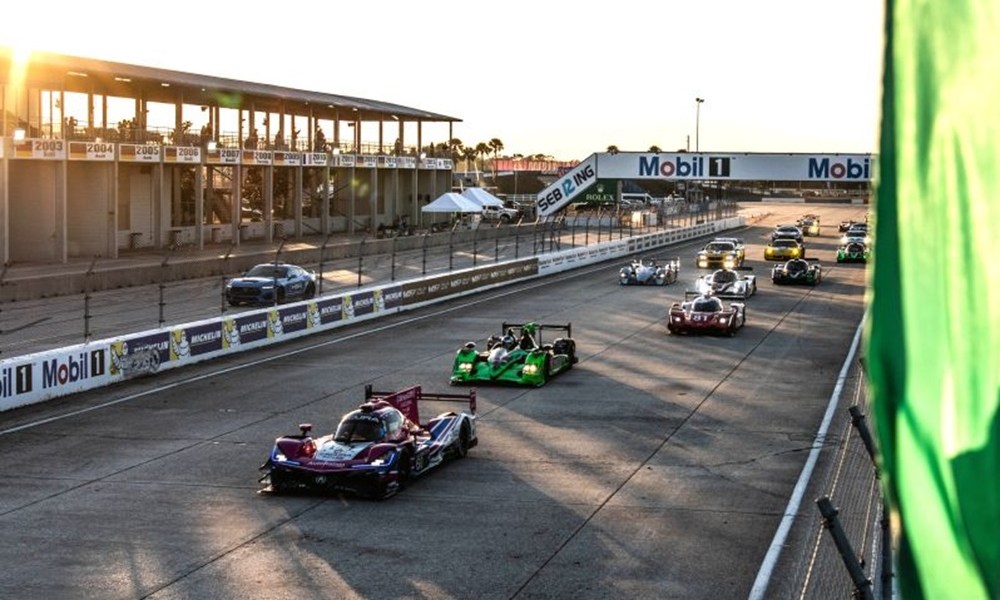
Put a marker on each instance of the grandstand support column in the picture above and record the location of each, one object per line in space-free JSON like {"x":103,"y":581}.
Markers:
{"x":297,"y":202}
{"x":199,"y":206}
{"x":269,"y":203}
{"x":111,"y":223}
{"x":373,"y":219}
{"x":4,"y":205}
{"x":351,"y":212}
{"x":325,"y":201}
{"x":61,"y":223}
{"x":236,"y":203}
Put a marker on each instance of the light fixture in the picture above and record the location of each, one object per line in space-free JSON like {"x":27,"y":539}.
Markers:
{"x":123,"y":79}
{"x":76,"y":73}
{"x":394,"y":117}
{"x":164,"y":84}
{"x":18,"y":134}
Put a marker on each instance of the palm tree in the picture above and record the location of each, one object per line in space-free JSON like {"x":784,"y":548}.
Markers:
{"x":497,"y":146}
{"x":482,"y":149}
{"x":612,"y":149}
{"x":455,"y":145}
{"x":470,"y":155}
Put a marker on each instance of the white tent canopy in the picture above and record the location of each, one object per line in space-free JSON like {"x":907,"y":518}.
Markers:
{"x":452,"y":203}
{"x":482,"y":197}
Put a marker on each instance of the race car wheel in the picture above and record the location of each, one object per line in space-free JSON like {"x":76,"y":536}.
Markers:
{"x":464,"y":437}
{"x":405,"y":468}
{"x":279,"y":483}
{"x":310,"y":292}
{"x":281,"y":295}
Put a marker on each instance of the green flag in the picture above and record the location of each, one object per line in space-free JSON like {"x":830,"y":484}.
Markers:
{"x":934,"y":332}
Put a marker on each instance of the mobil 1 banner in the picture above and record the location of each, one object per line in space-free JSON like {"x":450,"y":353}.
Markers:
{"x":441,"y":286}
{"x":49,"y":374}
{"x":736,"y":166}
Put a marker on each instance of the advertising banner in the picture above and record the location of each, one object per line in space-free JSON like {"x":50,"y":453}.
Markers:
{"x":316,"y":159}
{"x":223,"y":156}
{"x":38,"y":148}
{"x":181,"y":154}
{"x":287,"y":159}
{"x":257,"y":157}
{"x":735,"y":166}
{"x":138,"y":153}
{"x":96,"y":151}
{"x":195,"y":340}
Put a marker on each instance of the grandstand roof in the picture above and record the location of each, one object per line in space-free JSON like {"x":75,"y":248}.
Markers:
{"x":87,"y":75}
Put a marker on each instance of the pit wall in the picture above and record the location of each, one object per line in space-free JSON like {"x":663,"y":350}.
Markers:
{"x":42,"y":376}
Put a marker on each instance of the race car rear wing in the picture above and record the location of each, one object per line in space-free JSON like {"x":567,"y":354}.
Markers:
{"x":407,"y":401}
{"x":568,"y":328}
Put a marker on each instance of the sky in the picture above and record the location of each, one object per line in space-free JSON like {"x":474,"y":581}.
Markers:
{"x":564,"y":79}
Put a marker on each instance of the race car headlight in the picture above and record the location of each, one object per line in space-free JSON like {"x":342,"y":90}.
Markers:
{"x":465,"y":367}
{"x":530,"y":369}
{"x":678,"y":319}
{"x":267,"y":287}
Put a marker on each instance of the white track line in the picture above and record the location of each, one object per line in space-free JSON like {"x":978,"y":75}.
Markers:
{"x":771,"y":558}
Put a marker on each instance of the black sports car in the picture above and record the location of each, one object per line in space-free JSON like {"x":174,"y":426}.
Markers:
{"x":271,"y":282}
{"x":797,"y":270}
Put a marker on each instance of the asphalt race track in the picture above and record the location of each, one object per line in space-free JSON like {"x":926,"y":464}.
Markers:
{"x":658,"y":467}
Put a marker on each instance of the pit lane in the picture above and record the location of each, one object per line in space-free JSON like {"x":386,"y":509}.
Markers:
{"x":658,"y":467}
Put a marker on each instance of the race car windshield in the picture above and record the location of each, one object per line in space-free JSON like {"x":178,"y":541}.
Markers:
{"x":720,"y":247}
{"x":267,"y":271}
{"x":723,"y":276}
{"x":795,"y":266}
{"x":352,"y":431}
{"x":855,"y":247}
{"x":707,"y":305}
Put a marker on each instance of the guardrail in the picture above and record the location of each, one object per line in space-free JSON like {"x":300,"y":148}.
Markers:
{"x":42,"y":376}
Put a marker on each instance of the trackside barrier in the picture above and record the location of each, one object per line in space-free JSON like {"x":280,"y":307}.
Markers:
{"x":42,"y":376}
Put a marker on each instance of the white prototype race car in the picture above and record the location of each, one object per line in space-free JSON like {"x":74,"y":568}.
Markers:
{"x":649,"y":272}
{"x":727,"y":283}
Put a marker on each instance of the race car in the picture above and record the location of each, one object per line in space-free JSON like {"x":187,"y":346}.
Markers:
{"x":377,"y":448}
{"x":516,"y":356}
{"x":271,"y":283}
{"x":809,"y":224}
{"x":782,"y":232}
{"x":741,"y":247}
{"x":649,"y":272}
{"x":727,"y":283}
{"x":845,"y":225}
{"x":721,"y":253}
{"x":701,"y":313}
{"x":858,"y":230}
{"x":853,"y":250}
{"x":784,"y":249}
{"x":797,"y":270}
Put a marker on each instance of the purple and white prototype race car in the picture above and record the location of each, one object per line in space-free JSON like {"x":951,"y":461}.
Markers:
{"x":376,"y":449}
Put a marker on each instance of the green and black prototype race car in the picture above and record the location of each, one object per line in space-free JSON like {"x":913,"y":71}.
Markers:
{"x":517,"y":356}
